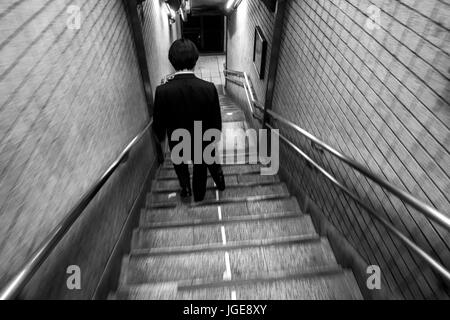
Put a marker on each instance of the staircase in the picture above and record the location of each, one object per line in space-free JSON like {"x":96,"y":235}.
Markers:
{"x":250,"y":241}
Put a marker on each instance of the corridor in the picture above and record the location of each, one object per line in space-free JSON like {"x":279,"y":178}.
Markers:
{"x":335,"y":147}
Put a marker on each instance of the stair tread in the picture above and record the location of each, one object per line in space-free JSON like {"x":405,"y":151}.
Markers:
{"x":229,"y":246}
{"x":230,"y":193}
{"x":247,"y":262}
{"x":229,"y":158}
{"x":238,"y":209}
{"x":171,"y":185}
{"x":227,"y":170}
{"x":234,"y":117}
{"x":216,"y":220}
{"x":210,"y":234}
{"x":337,"y":285}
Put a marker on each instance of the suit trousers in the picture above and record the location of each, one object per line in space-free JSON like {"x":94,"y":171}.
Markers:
{"x":200,"y":177}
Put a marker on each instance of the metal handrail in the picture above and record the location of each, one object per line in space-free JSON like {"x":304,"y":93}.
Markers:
{"x":19,"y":281}
{"x":430,"y":212}
{"x":414,"y":247}
{"x":249,"y":92}
{"x":426,"y":209}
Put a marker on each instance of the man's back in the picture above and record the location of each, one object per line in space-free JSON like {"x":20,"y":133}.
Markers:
{"x":183,"y":100}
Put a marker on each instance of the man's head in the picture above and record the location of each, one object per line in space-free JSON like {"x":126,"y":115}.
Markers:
{"x":183,"y":55}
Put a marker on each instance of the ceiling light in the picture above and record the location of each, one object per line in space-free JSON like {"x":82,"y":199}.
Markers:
{"x":233,"y":4}
{"x":230,"y":4}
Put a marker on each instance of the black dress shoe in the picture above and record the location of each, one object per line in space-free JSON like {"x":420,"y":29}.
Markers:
{"x":199,"y":199}
{"x":186,"y":192}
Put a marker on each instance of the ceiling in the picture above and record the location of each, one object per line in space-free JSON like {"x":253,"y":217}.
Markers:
{"x":208,"y":7}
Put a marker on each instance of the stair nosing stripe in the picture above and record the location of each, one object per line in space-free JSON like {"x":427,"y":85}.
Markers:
{"x":144,"y":214}
{"x":197,"y":284}
{"x":307,"y":273}
{"x":166,"y":165}
{"x":239,"y":185}
{"x":252,"y":172}
{"x":281,"y":183}
{"x":237,"y":174}
{"x":264,"y":276}
{"x":285,"y":198}
{"x":162,"y":205}
{"x":160,"y":190}
{"x":231,"y":153}
{"x":312,"y":237}
{"x":293,"y":215}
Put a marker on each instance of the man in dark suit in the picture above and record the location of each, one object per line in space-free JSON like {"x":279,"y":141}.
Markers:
{"x":183,"y":100}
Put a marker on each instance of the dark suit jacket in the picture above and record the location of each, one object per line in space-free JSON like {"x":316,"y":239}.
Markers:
{"x":183,"y":100}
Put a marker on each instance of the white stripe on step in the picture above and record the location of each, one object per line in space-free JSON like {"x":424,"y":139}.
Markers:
{"x":227,"y":273}
{"x":224,"y":237}
{"x":219,"y":210}
{"x":233,"y":295}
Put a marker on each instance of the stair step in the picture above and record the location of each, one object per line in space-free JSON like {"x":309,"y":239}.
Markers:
{"x":224,"y":99}
{"x":229,"y":157}
{"x":167,"y":154}
{"x":210,"y":234}
{"x":329,"y":284}
{"x":247,"y":262}
{"x":228,"y":210}
{"x":224,"y":153}
{"x":230,"y":107}
{"x":230,"y":181}
{"x":213,"y":221}
{"x":228,"y":102}
{"x":234,"y":116}
{"x":230,"y":193}
{"x":229,"y":246}
{"x":169,"y":173}
{"x":227,"y":160}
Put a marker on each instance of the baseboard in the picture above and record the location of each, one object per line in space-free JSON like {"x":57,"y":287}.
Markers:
{"x":110,"y":277}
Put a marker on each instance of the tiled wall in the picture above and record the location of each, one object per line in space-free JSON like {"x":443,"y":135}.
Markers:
{"x":241,"y":35}
{"x":380,"y":95}
{"x":158,"y":36}
{"x":70,"y":101}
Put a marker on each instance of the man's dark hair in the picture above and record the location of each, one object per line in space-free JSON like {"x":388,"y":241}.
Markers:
{"x":183,"y":54}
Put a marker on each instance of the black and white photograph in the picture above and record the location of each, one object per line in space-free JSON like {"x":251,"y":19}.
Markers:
{"x":225,"y":158}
